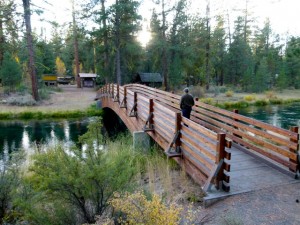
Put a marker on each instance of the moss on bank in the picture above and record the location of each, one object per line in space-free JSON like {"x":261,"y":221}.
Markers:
{"x":245,"y":104}
{"x":38,"y":115}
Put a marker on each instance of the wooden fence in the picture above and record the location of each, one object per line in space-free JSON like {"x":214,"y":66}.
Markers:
{"x":201,"y":151}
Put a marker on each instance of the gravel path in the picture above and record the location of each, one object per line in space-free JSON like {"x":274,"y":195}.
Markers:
{"x":279,"y":205}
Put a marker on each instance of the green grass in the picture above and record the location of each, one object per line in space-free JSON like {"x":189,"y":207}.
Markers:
{"x":37,"y":115}
{"x":259,"y":102}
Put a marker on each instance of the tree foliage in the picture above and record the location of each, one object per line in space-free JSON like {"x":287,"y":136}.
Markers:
{"x":185,"y":49}
{"x":60,"y":67}
{"x":10,"y":72}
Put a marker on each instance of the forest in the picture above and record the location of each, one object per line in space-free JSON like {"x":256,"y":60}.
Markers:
{"x":185,"y":48}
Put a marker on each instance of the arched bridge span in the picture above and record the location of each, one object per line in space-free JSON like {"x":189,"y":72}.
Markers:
{"x":216,"y":146}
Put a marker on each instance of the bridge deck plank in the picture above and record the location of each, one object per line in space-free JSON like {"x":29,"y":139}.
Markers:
{"x":249,"y":173}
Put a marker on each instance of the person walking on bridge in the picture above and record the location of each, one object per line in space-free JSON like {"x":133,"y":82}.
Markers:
{"x":186,"y":103}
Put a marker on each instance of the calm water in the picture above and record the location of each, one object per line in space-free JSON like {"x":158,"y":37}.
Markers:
{"x":28,"y":135}
{"x":282,"y":116}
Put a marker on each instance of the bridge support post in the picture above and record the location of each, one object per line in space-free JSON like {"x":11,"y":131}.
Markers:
{"x":141,"y":140}
{"x":296,"y":130}
{"x":221,"y":156}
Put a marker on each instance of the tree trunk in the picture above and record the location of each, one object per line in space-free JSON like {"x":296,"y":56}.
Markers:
{"x":118,"y":66}
{"x":32,"y":71}
{"x":117,"y":40}
{"x":105,"y":40}
{"x":1,"y":42}
{"x":76,"y":60}
{"x":164,"y":50}
{"x":246,"y":23}
{"x":207,"y":55}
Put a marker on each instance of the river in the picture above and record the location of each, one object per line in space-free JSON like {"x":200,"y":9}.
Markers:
{"x":283,"y":116}
{"x":30,"y":135}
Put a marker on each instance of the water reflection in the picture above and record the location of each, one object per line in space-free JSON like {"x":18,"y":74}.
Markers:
{"x":283,"y":116}
{"x":37,"y":134}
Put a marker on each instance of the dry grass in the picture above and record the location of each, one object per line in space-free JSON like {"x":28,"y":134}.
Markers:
{"x":170,"y":182}
{"x":285,"y":94}
{"x":71,"y":98}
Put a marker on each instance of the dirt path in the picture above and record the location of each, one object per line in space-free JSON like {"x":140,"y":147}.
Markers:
{"x":277,"y":205}
{"x":71,"y":98}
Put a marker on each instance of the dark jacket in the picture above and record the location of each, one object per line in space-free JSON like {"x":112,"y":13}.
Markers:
{"x":186,"y":101}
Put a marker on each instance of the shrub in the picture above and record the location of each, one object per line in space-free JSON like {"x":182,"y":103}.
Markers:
{"x":80,"y":181}
{"x":5,"y":116}
{"x":208,"y":100}
{"x":21,"y":100}
{"x":231,"y":105}
{"x":22,"y":88}
{"x":139,"y":210}
{"x":229,"y":93}
{"x":275,"y":101}
{"x":26,"y":115}
{"x":261,"y":102}
{"x":270,"y":94}
{"x":10,"y":174}
{"x":198,"y":92}
{"x":249,"y":98}
{"x":44,"y":93}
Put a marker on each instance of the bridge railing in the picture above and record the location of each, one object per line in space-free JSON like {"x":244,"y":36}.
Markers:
{"x":279,"y":145}
{"x":202,"y":151}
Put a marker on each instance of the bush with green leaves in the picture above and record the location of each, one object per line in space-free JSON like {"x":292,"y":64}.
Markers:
{"x":10,"y":174}
{"x":79,"y":182}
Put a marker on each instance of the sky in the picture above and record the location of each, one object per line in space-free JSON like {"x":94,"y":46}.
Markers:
{"x":284,"y":14}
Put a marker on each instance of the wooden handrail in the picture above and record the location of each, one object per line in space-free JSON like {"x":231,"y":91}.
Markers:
{"x":204,"y":139}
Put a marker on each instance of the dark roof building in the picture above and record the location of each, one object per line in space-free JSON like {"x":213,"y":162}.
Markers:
{"x":150,"y":79}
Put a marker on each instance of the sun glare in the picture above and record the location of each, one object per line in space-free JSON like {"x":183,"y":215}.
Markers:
{"x":144,"y":36}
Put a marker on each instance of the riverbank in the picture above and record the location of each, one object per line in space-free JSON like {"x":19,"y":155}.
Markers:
{"x":69,"y":102}
{"x":234,"y":96}
{"x":70,"y":98}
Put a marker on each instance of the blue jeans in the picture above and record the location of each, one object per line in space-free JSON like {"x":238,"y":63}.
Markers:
{"x":186,"y":112}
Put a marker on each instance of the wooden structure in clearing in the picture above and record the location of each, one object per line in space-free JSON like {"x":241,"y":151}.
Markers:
{"x":50,"y":79}
{"x":201,"y":145}
{"x":87,"y":79}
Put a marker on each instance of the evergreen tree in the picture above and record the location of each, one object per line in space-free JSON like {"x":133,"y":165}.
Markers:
{"x":56,"y":41}
{"x":267,"y":47}
{"x":239,"y":59}
{"x":10,"y":72}
{"x":293,"y":62}
{"x":125,"y":19}
{"x":178,"y":37}
{"x":44,"y":58}
{"x":218,"y":51}
{"x":8,"y":33}
{"x":262,"y":79}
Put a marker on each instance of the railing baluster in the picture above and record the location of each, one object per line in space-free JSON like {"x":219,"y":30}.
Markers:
{"x":296,"y":130}
{"x":220,"y":158}
{"x":177,"y":129}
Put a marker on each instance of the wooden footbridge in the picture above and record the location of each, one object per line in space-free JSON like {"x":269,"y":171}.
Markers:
{"x":226,"y":153}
